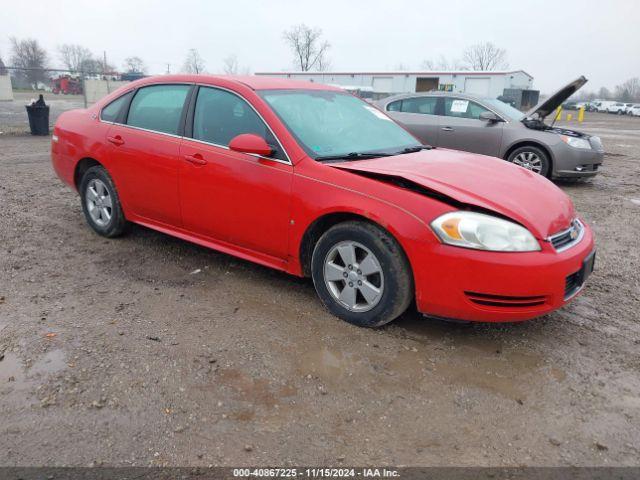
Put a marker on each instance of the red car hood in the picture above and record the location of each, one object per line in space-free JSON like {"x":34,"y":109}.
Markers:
{"x":480,"y":181}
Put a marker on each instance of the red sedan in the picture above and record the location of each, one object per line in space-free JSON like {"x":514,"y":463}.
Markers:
{"x":313,"y":181}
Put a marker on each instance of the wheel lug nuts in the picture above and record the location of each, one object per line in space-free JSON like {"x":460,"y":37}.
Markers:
{"x":359,"y":282}
{"x":359,"y":272}
{"x":351,"y":284}
{"x":350,"y":267}
{"x":345,"y":274}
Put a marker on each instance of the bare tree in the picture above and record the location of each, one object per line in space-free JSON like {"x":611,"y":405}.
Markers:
{"x":230,"y":65}
{"x":75,"y":57}
{"x":3,"y":68}
{"x":485,"y":56}
{"x":307,"y":46}
{"x":134,"y":65}
{"x":441,"y":63}
{"x":29,"y":55}
{"x":604,"y":93}
{"x":629,"y":91}
{"x":194,"y":63}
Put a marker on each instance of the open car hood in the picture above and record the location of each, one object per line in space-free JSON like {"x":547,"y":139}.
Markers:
{"x":544,"y":108}
{"x":486,"y":183}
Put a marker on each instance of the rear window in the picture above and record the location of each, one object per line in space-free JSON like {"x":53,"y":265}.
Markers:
{"x":158,"y":108}
{"x":424,"y":105}
{"x":111,"y":112}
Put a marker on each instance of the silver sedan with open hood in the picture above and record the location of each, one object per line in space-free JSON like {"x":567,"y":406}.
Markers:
{"x":491,"y":127}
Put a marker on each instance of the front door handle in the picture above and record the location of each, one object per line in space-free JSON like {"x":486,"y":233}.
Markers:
{"x":195,"y":159}
{"x":117,"y":140}
{"x":447,"y":129}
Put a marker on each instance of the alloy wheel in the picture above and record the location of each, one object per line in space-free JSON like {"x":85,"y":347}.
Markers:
{"x":99,"y":202}
{"x":529,"y":160}
{"x":353,"y":276}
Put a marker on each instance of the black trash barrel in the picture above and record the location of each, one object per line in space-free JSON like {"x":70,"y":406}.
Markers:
{"x":38,"y":114}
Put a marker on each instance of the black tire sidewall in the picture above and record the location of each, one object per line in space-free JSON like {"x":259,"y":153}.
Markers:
{"x":117,"y":223}
{"x":398,"y":281}
{"x":546,"y":163}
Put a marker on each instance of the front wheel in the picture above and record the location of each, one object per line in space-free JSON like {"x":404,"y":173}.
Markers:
{"x":361,"y":274}
{"x":531,"y":158}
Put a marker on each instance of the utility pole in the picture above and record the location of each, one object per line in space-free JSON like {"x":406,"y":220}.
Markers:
{"x":168,"y":68}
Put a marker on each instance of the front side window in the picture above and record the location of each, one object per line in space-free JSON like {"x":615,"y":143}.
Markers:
{"x":111,"y":112}
{"x":328,"y":123}
{"x":220,"y":116}
{"x":158,"y":108}
{"x":461,"y":108}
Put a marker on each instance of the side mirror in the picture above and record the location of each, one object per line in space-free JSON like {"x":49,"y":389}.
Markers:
{"x":490,"y":117}
{"x":250,"y":143}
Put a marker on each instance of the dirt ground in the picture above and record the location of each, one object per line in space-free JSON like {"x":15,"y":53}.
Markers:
{"x":147,"y":350}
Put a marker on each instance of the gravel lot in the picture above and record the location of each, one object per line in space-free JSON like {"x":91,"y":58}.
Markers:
{"x":147,"y":350}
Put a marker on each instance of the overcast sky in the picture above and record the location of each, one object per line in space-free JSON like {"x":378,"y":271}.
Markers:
{"x":555,"y":41}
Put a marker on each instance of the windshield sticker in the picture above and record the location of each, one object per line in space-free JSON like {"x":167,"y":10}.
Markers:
{"x":459,"y":106}
{"x":377,"y":113}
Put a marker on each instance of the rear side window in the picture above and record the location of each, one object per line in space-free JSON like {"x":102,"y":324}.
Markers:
{"x":111,"y":112}
{"x":458,"y":107}
{"x":220,"y":116}
{"x":158,"y":108}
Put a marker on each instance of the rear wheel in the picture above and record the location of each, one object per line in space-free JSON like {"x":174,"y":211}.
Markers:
{"x":532,"y":158}
{"x":361,"y":274}
{"x":100,"y":203}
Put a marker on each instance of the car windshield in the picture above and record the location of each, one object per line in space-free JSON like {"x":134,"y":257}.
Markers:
{"x":335,"y":124}
{"x":504,"y":109}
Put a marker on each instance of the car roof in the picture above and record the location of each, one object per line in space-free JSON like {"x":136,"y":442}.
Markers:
{"x":252,"y":81}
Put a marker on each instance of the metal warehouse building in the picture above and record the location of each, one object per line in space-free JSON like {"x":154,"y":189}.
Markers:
{"x":485,"y":84}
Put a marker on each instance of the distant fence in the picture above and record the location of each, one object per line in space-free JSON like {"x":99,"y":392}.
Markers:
{"x":6,"y":92}
{"x":91,"y":85}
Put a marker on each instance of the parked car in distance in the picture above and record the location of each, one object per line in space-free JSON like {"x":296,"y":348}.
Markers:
{"x":627,"y":108}
{"x":490,"y":127}
{"x":310,"y":180}
{"x":603,"y":106}
{"x":635,"y":110}
{"x":618,"y":108}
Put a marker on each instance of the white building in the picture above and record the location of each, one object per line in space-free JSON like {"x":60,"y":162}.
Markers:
{"x":484,"y":84}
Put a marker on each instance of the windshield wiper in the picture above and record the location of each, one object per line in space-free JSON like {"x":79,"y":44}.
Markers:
{"x":417,"y":148}
{"x":354,"y":156}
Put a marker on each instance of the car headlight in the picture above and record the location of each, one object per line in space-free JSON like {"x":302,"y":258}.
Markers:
{"x":576,"y":142}
{"x":483,"y":232}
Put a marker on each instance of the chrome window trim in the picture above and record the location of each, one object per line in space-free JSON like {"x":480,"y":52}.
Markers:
{"x":564,"y":232}
{"x":225,"y":147}
{"x":288,"y":162}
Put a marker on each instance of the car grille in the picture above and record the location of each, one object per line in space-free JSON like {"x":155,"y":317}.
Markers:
{"x":506,"y":301}
{"x":569,"y":237}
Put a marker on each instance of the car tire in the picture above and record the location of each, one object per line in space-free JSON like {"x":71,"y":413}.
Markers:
{"x":101,"y":204}
{"x":532,"y":158}
{"x":336,"y":263}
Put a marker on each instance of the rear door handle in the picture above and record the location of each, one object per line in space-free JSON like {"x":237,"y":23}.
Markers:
{"x":195,"y":159}
{"x":117,"y":140}
{"x":447,"y":129}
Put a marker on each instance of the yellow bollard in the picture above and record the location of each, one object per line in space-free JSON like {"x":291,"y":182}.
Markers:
{"x":559,"y":114}
{"x":581,"y":115}
{"x":569,"y":117}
